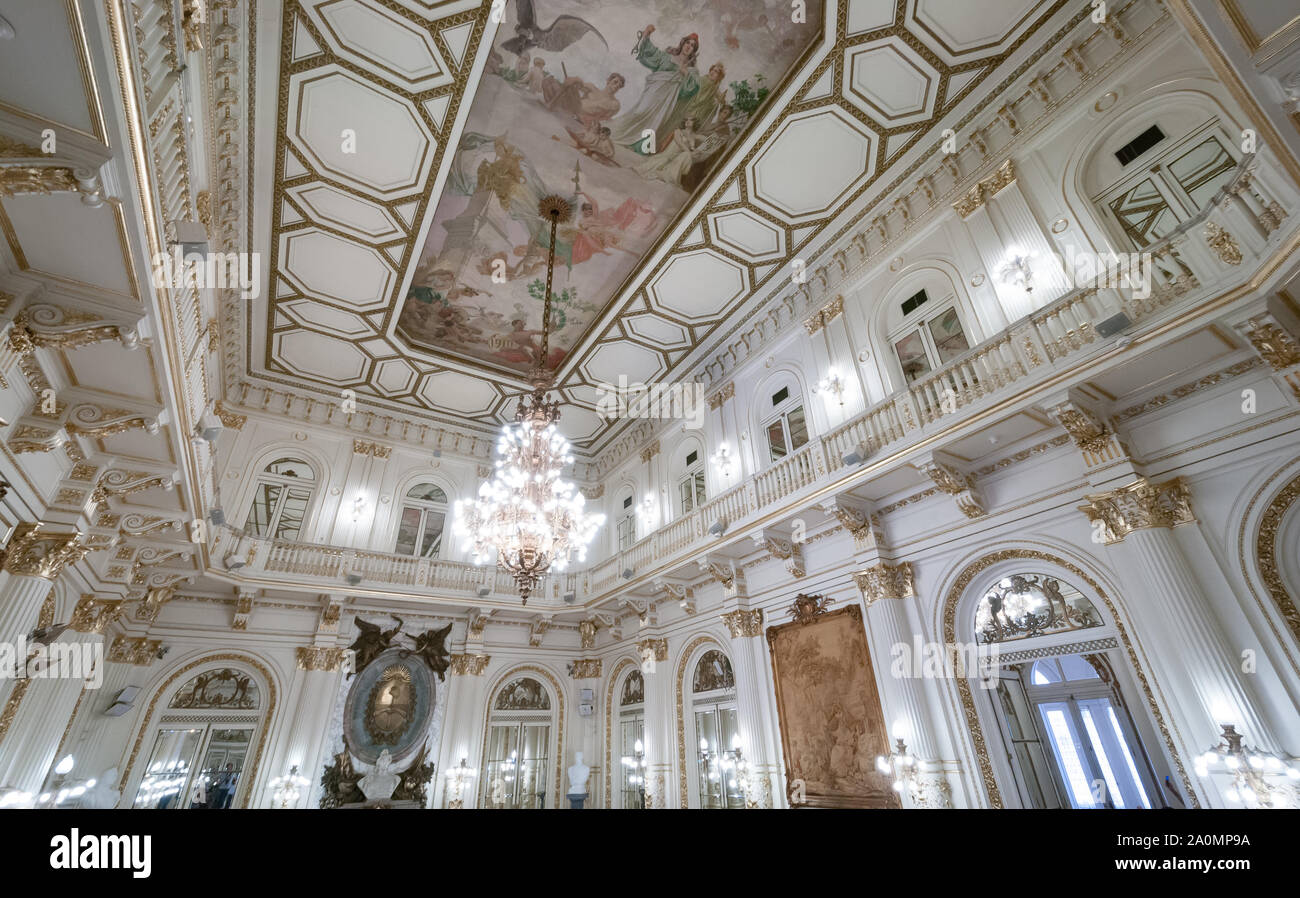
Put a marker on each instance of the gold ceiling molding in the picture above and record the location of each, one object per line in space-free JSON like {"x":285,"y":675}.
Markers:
{"x":864,"y":239}
{"x":841,"y":42}
{"x":1140,"y":505}
{"x":949,"y":621}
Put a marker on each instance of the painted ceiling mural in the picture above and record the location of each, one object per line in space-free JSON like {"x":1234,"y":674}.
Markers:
{"x":381,"y":284}
{"x":623,"y":116}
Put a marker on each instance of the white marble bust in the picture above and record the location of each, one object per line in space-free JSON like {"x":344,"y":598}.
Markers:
{"x":380,"y":783}
{"x":578,"y":774}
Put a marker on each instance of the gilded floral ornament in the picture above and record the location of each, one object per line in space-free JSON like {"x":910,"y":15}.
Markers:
{"x":1140,"y":505}
{"x":319,"y":657}
{"x":585,"y":669}
{"x":744,"y":622}
{"x":885,"y":581}
{"x":469,"y":665}
{"x":136,"y":650}
{"x":1224,"y":244}
{"x":1275,"y":346}
{"x":93,"y":615}
{"x":36,"y":552}
{"x":807,"y":608}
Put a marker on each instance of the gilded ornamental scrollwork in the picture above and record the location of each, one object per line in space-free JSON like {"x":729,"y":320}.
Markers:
{"x":468,"y":665}
{"x":93,"y":615}
{"x":885,"y":581}
{"x":585,"y":669}
{"x":136,"y":650}
{"x":319,"y":657}
{"x":36,"y":552}
{"x":744,"y":623}
{"x":1140,"y":505}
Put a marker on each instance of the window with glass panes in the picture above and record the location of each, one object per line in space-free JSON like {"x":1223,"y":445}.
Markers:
{"x":690,"y":488}
{"x":626,"y":523}
{"x":929,"y":341}
{"x":713,"y":706}
{"x":518,"y":748}
{"x":787,"y":427}
{"x":631,"y":730}
{"x":420,"y":527}
{"x":1176,"y":181}
{"x":281,"y":496}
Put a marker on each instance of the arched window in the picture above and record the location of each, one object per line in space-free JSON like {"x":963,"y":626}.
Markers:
{"x":690,"y":481}
{"x":783,"y":422}
{"x":1167,"y":176}
{"x":518,"y":746}
{"x":1062,"y":715}
{"x":202,"y":742}
{"x":631,"y":729}
{"x":280,"y":499}
{"x":424,"y":514}
{"x":713,"y":703}
{"x":625,"y":529}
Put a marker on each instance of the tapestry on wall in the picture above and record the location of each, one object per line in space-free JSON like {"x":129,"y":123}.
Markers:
{"x":832,"y":725}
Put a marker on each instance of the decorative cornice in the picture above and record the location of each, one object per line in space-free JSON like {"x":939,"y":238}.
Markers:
{"x":319,"y":657}
{"x":468,"y":665}
{"x":1140,"y":505}
{"x":36,"y":552}
{"x":885,"y":581}
{"x":744,"y":623}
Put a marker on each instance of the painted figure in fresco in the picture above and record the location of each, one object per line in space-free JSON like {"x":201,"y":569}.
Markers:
{"x":685,"y":149}
{"x":704,"y":106}
{"x":673,"y":79}
{"x":589,"y":104}
{"x":565,"y":30}
{"x":537,"y":76}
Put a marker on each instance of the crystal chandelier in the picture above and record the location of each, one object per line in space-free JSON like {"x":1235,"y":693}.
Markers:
{"x":527,"y":515}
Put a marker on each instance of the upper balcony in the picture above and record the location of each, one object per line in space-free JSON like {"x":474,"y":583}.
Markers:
{"x":1236,"y":242}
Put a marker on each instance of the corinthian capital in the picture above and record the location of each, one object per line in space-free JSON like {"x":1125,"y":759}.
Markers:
{"x":744,"y":623}
{"x":36,"y":552}
{"x":885,"y":581}
{"x":1139,"y":506}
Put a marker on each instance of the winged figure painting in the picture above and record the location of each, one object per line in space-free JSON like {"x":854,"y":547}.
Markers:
{"x":565,"y":30}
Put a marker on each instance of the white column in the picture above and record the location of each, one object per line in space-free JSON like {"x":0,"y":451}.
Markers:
{"x":887,"y":589}
{"x":660,"y":791}
{"x":315,"y":686}
{"x":1188,"y":654}
{"x":33,"y":560}
{"x":755,"y":724}
{"x":27,"y":753}
{"x":461,"y":726}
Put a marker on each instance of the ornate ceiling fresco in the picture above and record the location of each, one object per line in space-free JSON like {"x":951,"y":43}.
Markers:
{"x":623,"y":123}
{"x":384,"y":244}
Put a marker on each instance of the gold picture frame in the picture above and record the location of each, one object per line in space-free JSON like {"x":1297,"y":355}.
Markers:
{"x":831,"y":721}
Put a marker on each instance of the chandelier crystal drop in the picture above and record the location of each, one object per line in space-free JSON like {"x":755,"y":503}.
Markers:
{"x":528,"y":516}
